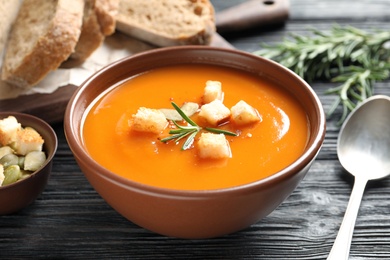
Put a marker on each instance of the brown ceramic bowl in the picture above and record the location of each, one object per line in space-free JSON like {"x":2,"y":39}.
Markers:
{"x":193,"y":214}
{"x":16,"y":196}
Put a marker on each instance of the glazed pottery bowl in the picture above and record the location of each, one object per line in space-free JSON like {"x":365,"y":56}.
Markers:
{"x":18,"y":195}
{"x":200,"y":213}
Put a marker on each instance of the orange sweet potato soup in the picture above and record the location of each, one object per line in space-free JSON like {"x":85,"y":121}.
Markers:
{"x":258,"y":151}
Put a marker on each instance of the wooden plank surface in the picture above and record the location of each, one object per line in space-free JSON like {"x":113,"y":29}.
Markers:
{"x":71,"y":221}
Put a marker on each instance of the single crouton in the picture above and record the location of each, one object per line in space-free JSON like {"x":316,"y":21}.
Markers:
{"x":1,"y":174}
{"x":149,"y":121}
{"x":243,"y":114}
{"x":8,"y":129}
{"x":27,"y":140}
{"x":213,"y":146}
{"x":212,"y":91}
{"x":214,"y":112}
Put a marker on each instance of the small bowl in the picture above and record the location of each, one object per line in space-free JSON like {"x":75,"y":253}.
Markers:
{"x":18,"y":195}
{"x":183,"y":213}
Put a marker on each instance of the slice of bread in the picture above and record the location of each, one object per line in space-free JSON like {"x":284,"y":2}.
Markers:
{"x":98,"y":22}
{"x":8,"y":12}
{"x":167,"y":22}
{"x":45,"y":33}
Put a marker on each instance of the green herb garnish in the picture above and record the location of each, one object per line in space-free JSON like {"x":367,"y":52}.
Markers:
{"x":189,"y":131}
{"x":345,"y":55}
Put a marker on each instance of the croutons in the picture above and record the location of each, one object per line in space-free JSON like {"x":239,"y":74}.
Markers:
{"x":149,"y":121}
{"x":27,"y":140}
{"x":213,"y":146}
{"x":215,"y":112}
{"x":212,"y":91}
{"x":8,"y":130}
{"x":243,"y":114}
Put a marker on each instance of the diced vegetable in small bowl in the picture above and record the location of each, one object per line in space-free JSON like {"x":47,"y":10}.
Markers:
{"x":27,"y":148}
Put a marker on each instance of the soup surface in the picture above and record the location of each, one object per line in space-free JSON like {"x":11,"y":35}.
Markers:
{"x":260,"y":150}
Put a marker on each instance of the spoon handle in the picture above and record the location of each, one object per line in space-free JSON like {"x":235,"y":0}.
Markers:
{"x":342,"y":244}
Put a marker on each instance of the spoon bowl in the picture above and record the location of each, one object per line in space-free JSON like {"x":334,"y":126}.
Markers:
{"x":363,"y":149}
{"x":364,"y":142}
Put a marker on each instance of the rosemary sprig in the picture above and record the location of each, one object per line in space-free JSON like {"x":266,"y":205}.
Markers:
{"x":346,"y":55}
{"x":357,"y":84}
{"x":189,"y":131}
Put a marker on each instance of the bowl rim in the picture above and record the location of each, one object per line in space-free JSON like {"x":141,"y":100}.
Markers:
{"x":80,"y":152}
{"x":50,"y":131}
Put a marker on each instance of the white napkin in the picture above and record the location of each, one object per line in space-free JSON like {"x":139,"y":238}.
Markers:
{"x":115,"y":47}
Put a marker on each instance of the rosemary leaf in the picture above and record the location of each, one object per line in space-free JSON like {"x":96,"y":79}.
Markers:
{"x":190,"y":140}
{"x":189,"y":134}
{"x":188,"y":128}
{"x":220,"y":131}
{"x":183,"y":115}
{"x":172,"y":137}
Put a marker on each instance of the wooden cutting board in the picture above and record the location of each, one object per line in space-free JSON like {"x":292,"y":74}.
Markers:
{"x":248,"y":15}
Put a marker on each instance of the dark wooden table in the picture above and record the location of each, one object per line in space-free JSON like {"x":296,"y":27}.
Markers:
{"x":70,"y":220}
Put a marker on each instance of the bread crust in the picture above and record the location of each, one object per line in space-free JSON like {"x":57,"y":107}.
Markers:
{"x":106,"y":11}
{"x":52,"y":47}
{"x":8,"y":12}
{"x":98,"y":22}
{"x":128,"y":24}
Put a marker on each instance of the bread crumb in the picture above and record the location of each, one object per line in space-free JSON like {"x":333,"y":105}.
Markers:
{"x":149,"y":120}
{"x":243,"y":114}
{"x":214,"y":112}
{"x":213,"y":146}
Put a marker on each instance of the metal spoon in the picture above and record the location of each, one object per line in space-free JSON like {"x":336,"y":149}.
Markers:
{"x":363,"y":149}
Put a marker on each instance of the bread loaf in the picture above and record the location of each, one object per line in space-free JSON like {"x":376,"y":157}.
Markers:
{"x":45,"y":33}
{"x":167,"y":22}
{"x":8,"y":12}
{"x":98,"y":22}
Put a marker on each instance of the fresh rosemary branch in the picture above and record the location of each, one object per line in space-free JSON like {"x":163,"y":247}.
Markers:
{"x":357,"y":84}
{"x":346,"y":55}
{"x":189,"y":131}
